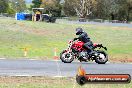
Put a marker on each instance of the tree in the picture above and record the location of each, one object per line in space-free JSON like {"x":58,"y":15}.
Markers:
{"x":106,"y":8}
{"x":18,"y":5}
{"x":113,"y":9}
{"x":128,"y":9}
{"x":36,"y":3}
{"x":68,"y":9}
{"x":3,"y":6}
{"x":125,"y":10}
{"x":52,"y":7}
{"x":83,"y":8}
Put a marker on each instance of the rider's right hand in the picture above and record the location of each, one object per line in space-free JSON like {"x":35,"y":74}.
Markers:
{"x":75,"y":39}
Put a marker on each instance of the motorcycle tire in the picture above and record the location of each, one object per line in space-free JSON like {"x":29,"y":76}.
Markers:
{"x":64,"y":55}
{"x":98,"y":59}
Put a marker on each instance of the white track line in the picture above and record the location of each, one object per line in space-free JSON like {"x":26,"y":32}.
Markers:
{"x":2,"y":58}
{"x":59,"y":76}
{"x":60,"y":60}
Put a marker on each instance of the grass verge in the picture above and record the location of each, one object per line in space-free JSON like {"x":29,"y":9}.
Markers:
{"x":49,"y":82}
{"x":41,"y":38}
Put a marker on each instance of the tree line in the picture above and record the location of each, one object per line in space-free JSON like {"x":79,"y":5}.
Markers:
{"x":102,"y":9}
{"x":53,"y":7}
{"x":92,"y":9}
{"x":12,"y":6}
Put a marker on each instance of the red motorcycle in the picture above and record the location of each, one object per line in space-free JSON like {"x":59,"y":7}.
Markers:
{"x":75,"y":50}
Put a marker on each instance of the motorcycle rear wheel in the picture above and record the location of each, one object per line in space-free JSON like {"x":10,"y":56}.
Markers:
{"x":66,"y":57}
{"x":101,"y":58}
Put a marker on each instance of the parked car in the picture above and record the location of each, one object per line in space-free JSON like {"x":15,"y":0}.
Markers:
{"x":47,"y":18}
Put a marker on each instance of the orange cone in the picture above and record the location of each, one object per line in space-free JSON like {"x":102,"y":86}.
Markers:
{"x":55,"y":54}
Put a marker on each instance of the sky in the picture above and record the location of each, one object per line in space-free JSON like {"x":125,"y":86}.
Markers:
{"x":28,"y":1}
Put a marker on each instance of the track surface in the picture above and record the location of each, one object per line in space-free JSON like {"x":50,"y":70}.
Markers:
{"x":57,"y":68}
{"x":97,"y":23}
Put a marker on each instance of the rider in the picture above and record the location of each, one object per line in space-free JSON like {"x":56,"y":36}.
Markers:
{"x":83,"y":36}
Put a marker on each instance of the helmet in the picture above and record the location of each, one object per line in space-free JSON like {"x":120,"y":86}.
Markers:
{"x":79,"y":31}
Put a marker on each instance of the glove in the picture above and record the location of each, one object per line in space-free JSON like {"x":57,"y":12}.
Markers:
{"x":75,"y":39}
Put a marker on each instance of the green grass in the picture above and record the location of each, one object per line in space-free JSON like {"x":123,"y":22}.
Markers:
{"x":68,"y":85}
{"x":46,"y":82}
{"x":41,"y":38}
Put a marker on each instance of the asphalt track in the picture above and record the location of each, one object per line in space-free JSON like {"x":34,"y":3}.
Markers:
{"x":96,"y":23}
{"x":58,"y":69}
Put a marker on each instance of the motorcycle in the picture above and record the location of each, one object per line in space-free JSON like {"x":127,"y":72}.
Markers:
{"x":75,"y":50}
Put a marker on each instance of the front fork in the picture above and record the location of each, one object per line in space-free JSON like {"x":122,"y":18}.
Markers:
{"x":69,"y":48}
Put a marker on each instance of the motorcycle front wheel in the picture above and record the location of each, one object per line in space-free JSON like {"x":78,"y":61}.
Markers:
{"x":66,"y":57}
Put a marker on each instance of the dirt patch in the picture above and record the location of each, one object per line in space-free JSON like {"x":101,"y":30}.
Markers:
{"x":122,"y":60}
{"x":38,"y":32}
{"x":122,"y":28}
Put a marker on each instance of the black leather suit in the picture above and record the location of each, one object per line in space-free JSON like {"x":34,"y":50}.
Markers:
{"x":83,"y":36}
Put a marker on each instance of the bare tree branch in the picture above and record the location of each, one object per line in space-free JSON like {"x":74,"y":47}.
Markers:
{"x":83,"y":8}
